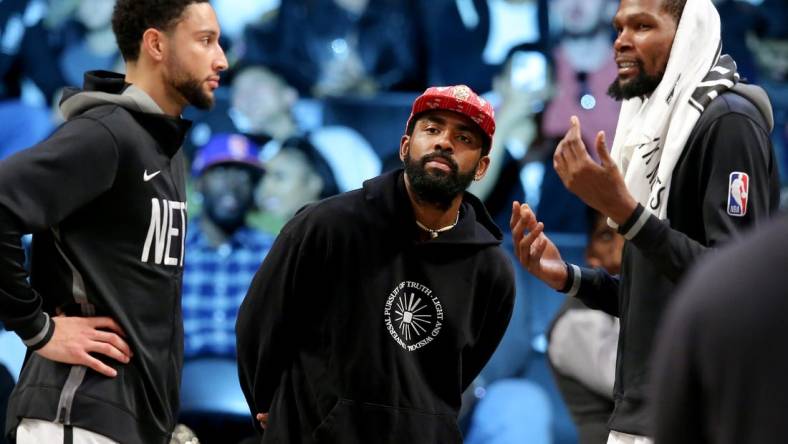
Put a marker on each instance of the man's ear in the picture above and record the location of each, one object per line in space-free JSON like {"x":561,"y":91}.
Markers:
{"x":154,"y":44}
{"x":404,"y":147}
{"x":481,"y":170}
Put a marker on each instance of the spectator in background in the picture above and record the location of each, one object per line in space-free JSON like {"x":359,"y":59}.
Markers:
{"x":467,"y":41}
{"x":87,"y":43}
{"x":263,"y":107}
{"x":25,"y":60}
{"x":260,"y":107}
{"x":223,"y":252}
{"x":344,"y":47}
{"x":583,"y":343}
{"x":584,"y":64}
{"x":524,"y":166}
{"x":295,"y":176}
{"x":235,"y":16}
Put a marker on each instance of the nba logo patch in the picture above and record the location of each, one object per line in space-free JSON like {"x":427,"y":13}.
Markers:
{"x":738,"y":190}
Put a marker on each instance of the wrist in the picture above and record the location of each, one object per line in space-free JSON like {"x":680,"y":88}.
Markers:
{"x":624,"y":211}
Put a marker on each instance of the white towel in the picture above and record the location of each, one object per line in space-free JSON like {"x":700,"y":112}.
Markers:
{"x":651,"y":133}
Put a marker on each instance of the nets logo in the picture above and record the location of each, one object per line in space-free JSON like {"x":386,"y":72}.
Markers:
{"x":166,"y":233}
{"x":412,"y":315}
{"x":738,"y":192}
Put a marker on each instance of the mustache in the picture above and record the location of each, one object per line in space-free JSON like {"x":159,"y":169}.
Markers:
{"x":441,"y":155}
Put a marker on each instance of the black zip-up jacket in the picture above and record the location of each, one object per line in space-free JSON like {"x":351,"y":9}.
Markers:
{"x":355,"y":332}
{"x":104,"y":198}
{"x":732,"y":135}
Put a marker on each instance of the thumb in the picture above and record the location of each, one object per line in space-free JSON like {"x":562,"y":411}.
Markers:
{"x":601,"y":149}
{"x":574,"y":126}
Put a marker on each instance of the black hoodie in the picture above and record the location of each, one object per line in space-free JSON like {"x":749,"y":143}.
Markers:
{"x":104,"y":198}
{"x":354,"y":332}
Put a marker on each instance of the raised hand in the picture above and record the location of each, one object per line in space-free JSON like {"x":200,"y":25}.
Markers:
{"x":600,"y":186}
{"x":75,"y":338}
{"x":535,"y":251}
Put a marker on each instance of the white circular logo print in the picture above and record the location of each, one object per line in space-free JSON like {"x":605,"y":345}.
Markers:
{"x":413,"y":315}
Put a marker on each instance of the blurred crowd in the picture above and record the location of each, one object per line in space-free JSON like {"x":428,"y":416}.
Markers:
{"x":314,"y":103}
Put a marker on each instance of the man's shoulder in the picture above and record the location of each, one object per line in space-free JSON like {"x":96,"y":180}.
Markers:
{"x":343,"y":204}
{"x":330,"y":214}
{"x":112,"y":119}
{"x":739,"y":103}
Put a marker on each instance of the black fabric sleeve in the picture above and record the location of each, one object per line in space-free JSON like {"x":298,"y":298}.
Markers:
{"x":597,"y":288}
{"x":493,"y":325}
{"x":265,"y":328}
{"x":39,"y":187}
{"x":733,"y":143}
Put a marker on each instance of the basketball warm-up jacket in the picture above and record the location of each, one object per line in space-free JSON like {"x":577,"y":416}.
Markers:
{"x":104,"y":198}
{"x":355,"y":332}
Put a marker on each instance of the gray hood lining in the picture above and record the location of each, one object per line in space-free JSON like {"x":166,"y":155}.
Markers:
{"x":133,"y":98}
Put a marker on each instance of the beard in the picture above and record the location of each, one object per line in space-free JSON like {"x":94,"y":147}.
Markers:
{"x":642,"y":85}
{"x":437,"y":187}
{"x":189,"y":87}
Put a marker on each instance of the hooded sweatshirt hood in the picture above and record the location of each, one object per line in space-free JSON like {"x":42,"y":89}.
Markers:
{"x":105,"y":88}
{"x":759,"y":98}
{"x":102,"y":88}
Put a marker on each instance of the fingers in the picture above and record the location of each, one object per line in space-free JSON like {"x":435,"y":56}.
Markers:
{"x":601,"y":149}
{"x":515,"y":215}
{"x":109,"y":347}
{"x":93,"y":363}
{"x":574,"y":127}
{"x":525,"y":247}
{"x":262,"y":418}
{"x":524,"y":220}
{"x":113,"y":340}
{"x":106,"y":323}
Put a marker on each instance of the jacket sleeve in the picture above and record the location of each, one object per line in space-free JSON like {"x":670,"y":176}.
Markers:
{"x":597,"y":288}
{"x":266,"y":330}
{"x":39,"y":187}
{"x":733,"y":143}
{"x":493,"y":324}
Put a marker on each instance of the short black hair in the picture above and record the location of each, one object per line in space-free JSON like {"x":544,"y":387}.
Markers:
{"x":486,"y":141}
{"x":674,"y":8}
{"x":131,"y":18}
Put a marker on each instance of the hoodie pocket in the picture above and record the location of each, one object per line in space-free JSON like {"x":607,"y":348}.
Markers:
{"x":354,"y":422}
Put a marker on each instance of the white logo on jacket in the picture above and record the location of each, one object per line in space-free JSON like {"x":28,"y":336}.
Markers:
{"x":164,"y":226}
{"x":413,"y":315}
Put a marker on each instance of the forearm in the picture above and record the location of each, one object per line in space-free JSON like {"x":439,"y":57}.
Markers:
{"x":21,"y":306}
